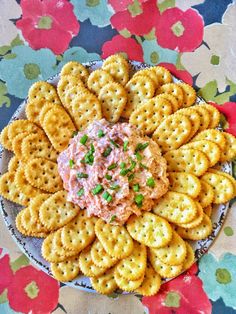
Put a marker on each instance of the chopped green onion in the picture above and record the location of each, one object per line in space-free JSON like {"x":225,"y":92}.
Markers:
{"x":122,"y":165}
{"x":82,"y":175}
{"x":150,"y":182}
{"x":112,"y":166}
{"x":133,"y":164}
{"x":138,"y":156}
{"x":139,"y":199}
{"x":107,"y":151}
{"x":114,"y":187}
{"x":89,"y":158}
{"x":141,"y":146}
{"x":143,"y":166}
{"x":92,"y":149}
{"x":100,"y":133}
{"x":98,"y":189}
{"x":113,"y":217}
{"x":83,"y":139}
{"x":114,"y":143}
{"x":125,"y":146}
{"x":131,"y":177}
{"x":136,"y":187}
{"x":108,"y":177}
{"x":80,"y":192}
{"x":107,"y":196}
{"x":71,"y":163}
{"x":124,"y":172}
{"x":74,"y":133}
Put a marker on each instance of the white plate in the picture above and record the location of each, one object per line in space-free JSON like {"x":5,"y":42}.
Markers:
{"x":32,"y":246}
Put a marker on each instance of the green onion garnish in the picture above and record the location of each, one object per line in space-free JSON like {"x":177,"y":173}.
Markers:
{"x":82,"y":175}
{"x":83,"y":139}
{"x":80,"y":192}
{"x":108,"y":177}
{"x":141,"y":146}
{"x":107,"y":151}
{"x":71,"y":163}
{"x":74,"y":133}
{"x":124,"y":172}
{"x":139,"y":199}
{"x":100,"y":133}
{"x":131,"y":177}
{"x":138,"y":156}
{"x":150,"y":182}
{"x":88,"y":157}
{"x":133,"y":164}
{"x":122,"y":165}
{"x":112,"y":166}
{"x":125,"y":146}
{"x":113,"y":217}
{"x":143,"y":166}
{"x":114,"y":143}
{"x":107,"y":196}
{"x":114,"y":187}
{"x":98,"y":189}
{"x":136,"y":187}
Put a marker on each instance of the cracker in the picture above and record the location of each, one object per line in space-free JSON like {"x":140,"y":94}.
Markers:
{"x":56,"y":212}
{"x":9,"y":190}
{"x":176,"y":207}
{"x":100,"y":256}
{"x":196,"y":220}
{"x":189,"y":94}
{"x":209,"y":148}
{"x":222,"y":186}
{"x":35,"y":204}
{"x":4,"y":138}
{"x":117,"y":58}
{"x":150,"y":73}
{"x":194,"y":118}
{"x":115,"y":239}
{"x":139,"y":89}
{"x":32,"y":110}
{"x":66,"y":82}
{"x":87,"y":265}
{"x":86,"y":108}
{"x":189,"y":260}
{"x":173,"y":89}
{"x":201,"y":232}
{"x":187,"y":160}
{"x":17,"y":142}
{"x":43,"y":91}
{"x":119,"y":72}
{"x":206,"y":194}
{"x":44,"y":110}
{"x":214,"y":115}
{"x":208,"y":210}
{"x":73,"y":93}
{"x":126,"y":284}
{"x":172,"y":132}
{"x":66,"y":270}
{"x":133,"y":266}
{"x":113,"y":99}
{"x":31,"y":225}
{"x":149,"y":229}
{"x":52,"y":249}
{"x":164,"y":76}
{"x":230,"y":177}
{"x":172,"y":99}
{"x":75,"y":69}
{"x":205,"y":117}
{"x":43,"y":174}
{"x":164,"y":270}
{"x":58,"y":126}
{"x":13,"y":164}
{"x":229,"y":152}
{"x":183,"y":182}
{"x":148,"y":116}
{"x":174,"y":252}
{"x":19,"y":126}
{"x":97,"y":79}
{"x":23,"y":185}
{"x":79,"y":233}
{"x":105,"y":284}
{"x":151,"y":282}
{"x":38,"y":146}
{"x":213,"y":136}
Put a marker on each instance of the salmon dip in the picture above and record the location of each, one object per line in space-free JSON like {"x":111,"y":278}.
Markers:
{"x":113,"y":171}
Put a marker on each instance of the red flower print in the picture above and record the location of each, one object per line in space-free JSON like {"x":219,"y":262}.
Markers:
{"x":6,"y":274}
{"x":181,"y":74}
{"x":179,"y":30}
{"x":32,"y":291}
{"x":181,"y":295}
{"x":121,"y":5}
{"x":129,"y":46}
{"x":48,"y":24}
{"x":138,"y":20}
{"x":229,"y":110}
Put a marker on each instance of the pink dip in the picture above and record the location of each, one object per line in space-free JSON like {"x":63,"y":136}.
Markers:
{"x":119,"y":195}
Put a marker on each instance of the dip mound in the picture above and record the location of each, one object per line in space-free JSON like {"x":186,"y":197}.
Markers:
{"x":113,"y":171}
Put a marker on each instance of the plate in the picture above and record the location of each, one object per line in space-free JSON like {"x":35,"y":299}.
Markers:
{"x":31,"y":247}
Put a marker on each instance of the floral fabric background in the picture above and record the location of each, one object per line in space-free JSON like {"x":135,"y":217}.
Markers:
{"x":195,"y":40}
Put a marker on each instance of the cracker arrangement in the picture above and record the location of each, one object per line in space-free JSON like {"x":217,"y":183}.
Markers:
{"x":151,"y":246}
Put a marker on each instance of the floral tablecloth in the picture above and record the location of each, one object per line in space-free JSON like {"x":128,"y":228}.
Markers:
{"x":195,"y":40}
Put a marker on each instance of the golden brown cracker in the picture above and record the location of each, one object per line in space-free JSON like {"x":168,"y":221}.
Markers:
{"x":127,"y":284}
{"x":43,"y":91}
{"x":189,"y":260}
{"x":208,"y":210}
{"x":196,"y":220}
{"x":98,"y":79}
{"x":23,"y":185}
{"x":119,"y":72}
{"x":214,"y":115}
{"x":172,"y":99}
{"x":183,"y":182}
{"x":13,"y":164}
{"x":105,"y":284}
{"x":66,"y":82}
{"x":230,"y":177}
{"x":32,"y":110}
{"x":35,"y":204}
{"x":66,"y":270}
{"x":150,"y":73}
{"x":151,"y":282}
{"x":31,"y":225}
{"x":117,"y":58}
{"x":45,"y":109}
{"x":206,"y":194}
{"x":100,"y":256}
{"x":189,"y":94}
{"x":229,"y":152}
{"x":19,"y":126}
{"x":75,"y":69}
{"x":4,"y":138}
{"x":205,"y":117}
{"x":164,"y":76}
{"x":17,"y":144}
{"x":173,"y":89}
{"x":87,"y":265}
{"x":211,"y":135}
